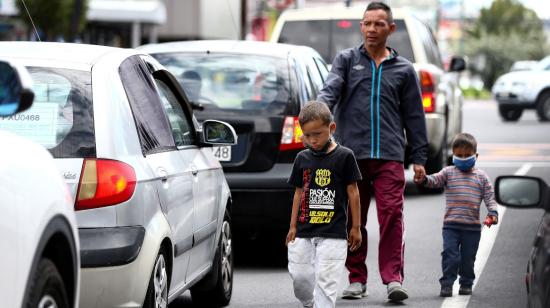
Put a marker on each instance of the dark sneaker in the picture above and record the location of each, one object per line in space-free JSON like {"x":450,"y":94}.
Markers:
{"x":396,"y":293}
{"x":355,"y":290}
{"x":446,"y":292}
{"x":465,"y":290}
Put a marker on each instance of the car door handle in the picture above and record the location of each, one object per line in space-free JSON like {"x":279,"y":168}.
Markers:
{"x":194,"y":170}
{"x":162,"y":174}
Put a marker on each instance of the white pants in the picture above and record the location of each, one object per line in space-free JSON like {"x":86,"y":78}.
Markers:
{"x":315,"y":266}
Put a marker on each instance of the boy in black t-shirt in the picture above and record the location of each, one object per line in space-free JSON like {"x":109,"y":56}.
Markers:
{"x":325,"y":176}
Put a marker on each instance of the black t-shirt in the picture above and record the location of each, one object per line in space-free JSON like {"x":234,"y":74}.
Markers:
{"x":322,"y":211}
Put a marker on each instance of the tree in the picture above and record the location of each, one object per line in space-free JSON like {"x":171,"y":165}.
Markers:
{"x":505,"y":32}
{"x":54,"y":18}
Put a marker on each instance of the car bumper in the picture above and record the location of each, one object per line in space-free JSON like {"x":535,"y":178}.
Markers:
{"x":122,"y":285}
{"x":513,"y":100}
{"x":261,"y":200}
{"x":435,"y":126}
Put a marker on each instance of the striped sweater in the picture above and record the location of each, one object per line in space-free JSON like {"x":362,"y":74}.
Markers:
{"x":464,"y":192}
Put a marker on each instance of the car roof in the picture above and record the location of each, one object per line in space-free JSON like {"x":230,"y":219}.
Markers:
{"x":323,"y":13}
{"x":225,"y":46}
{"x":83,"y":54}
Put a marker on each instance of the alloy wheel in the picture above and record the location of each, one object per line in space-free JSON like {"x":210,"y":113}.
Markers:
{"x":227,"y":256}
{"x":47,"y":302}
{"x":161,"y":283}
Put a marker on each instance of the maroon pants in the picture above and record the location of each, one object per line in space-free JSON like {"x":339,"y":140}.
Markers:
{"x":386,"y":179}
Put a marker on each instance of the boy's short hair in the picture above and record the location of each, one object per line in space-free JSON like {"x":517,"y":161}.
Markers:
{"x":315,"y":110}
{"x":381,"y":6}
{"x":465,"y":140}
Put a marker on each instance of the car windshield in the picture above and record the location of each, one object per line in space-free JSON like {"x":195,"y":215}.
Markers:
{"x":543,"y":65}
{"x":328,"y":37}
{"x":61,"y":117}
{"x":230,"y":81}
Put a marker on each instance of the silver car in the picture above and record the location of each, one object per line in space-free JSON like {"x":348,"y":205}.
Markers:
{"x":152,"y":203}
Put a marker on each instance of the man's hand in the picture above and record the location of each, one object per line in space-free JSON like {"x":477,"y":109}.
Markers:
{"x":419,"y":173}
{"x":291,"y":235}
{"x":354,"y":238}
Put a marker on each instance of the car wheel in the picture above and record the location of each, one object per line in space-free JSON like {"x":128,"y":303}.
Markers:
{"x":509,"y":114}
{"x":47,"y":289}
{"x":215,"y":289}
{"x":157,"y":291}
{"x":543,"y":107}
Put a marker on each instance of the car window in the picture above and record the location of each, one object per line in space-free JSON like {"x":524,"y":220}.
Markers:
{"x":61,"y":117}
{"x":428,"y":42}
{"x":181,"y":126}
{"x":231,"y":81}
{"x":322,"y":67}
{"x":304,"y":82}
{"x":329,"y":37}
{"x":314,"y":74}
{"x":154,"y":130}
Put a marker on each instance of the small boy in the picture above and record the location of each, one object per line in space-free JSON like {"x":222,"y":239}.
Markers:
{"x":465,"y":188}
{"x":325,"y":176}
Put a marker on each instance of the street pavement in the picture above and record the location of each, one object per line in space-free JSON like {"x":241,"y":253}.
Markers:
{"x":261,"y":278}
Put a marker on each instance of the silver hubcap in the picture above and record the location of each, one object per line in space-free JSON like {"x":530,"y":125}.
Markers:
{"x":47,"y":302}
{"x":161,"y":283}
{"x":226,"y":254}
{"x":546,"y":108}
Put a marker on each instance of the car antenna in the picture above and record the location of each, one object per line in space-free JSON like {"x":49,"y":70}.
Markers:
{"x":233,"y":23}
{"x":32,"y":22}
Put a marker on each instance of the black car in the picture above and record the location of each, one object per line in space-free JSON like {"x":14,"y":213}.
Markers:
{"x":259,"y":88}
{"x":531,"y":192}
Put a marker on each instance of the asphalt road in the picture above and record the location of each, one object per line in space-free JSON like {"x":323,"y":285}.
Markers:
{"x":261,"y":278}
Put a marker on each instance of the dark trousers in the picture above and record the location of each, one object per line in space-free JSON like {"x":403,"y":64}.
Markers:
{"x":386,"y":181}
{"x":458,"y":256}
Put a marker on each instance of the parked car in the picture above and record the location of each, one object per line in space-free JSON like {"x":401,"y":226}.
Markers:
{"x":332,"y":29}
{"x":152,"y":203}
{"x":524,"y":65}
{"x":531,"y":192}
{"x":517,"y":91}
{"x":40,"y":261}
{"x":259,"y":88}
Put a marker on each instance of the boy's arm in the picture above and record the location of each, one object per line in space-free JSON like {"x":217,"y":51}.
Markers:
{"x":489,"y":199}
{"x":436,"y":180}
{"x":294,"y":215}
{"x":354,"y":238}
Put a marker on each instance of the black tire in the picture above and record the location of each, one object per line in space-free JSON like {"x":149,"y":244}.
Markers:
{"x":46,"y":287}
{"x":215,"y":289}
{"x":157,"y":293}
{"x":543,"y":107}
{"x":509,"y":114}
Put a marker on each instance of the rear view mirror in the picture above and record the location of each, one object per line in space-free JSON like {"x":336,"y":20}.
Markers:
{"x":458,"y":64}
{"x":520,"y":191}
{"x":15,"y":89}
{"x":218,"y":132}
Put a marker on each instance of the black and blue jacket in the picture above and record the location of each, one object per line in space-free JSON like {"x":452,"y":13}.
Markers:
{"x":375,"y":108}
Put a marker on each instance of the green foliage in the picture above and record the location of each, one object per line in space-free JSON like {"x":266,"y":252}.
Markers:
{"x":504,"y":33}
{"x":55,"y":17}
{"x":474,"y":93}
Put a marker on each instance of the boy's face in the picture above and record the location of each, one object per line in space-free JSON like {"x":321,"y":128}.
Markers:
{"x":464,"y":152}
{"x":316,"y":134}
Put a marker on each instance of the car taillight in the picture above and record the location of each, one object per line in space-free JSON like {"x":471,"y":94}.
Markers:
{"x":427,"y":85}
{"x":104,"y":182}
{"x":292,"y":135}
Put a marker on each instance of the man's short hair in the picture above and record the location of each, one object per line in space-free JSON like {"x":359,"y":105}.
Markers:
{"x":313,"y":111}
{"x":381,"y":6}
{"x":465,"y":140}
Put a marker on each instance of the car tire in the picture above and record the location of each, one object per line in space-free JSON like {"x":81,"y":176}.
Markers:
{"x":543,"y":107}
{"x":509,"y":114}
{"x":46,"y":287}
{"x":157,"y":291}
{"x":215,"y":289}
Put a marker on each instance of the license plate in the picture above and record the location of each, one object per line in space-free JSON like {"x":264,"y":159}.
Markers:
{"x":222,"y":153}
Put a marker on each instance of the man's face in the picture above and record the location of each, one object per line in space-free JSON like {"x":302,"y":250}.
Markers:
{"x":375,"y":28}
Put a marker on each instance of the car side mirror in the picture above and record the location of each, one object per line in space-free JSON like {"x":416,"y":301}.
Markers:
{"x":216,"y":132}
{"x":16,"y":94}
{"x":458,"y":64}
{"x":521,"y":191}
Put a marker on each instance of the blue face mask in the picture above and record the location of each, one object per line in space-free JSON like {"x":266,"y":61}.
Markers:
{"x":464,"y":164}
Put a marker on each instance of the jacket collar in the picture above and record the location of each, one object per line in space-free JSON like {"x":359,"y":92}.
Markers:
{"x":393,"y":52}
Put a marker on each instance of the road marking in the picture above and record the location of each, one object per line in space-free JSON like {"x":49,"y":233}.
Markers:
{"x":488,"y":236}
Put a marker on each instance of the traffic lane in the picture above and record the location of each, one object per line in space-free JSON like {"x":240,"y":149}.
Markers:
{"x":502,"y":283}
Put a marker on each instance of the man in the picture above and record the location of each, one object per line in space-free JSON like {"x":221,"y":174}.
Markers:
{"x":375,"y":96}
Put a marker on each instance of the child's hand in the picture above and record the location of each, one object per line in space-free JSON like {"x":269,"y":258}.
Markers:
{"x":490,"y":220}
{"x":291,"y":235}
{"x":354,"y":239}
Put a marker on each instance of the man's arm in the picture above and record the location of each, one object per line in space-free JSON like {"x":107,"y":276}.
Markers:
{"x":294,"y":216}
{"x":354,"y":238}
{"x":334,"y":84}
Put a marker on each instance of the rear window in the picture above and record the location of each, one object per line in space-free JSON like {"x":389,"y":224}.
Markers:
{"x":61,"y":117}
{"x":329,"y":37}
{"x":230,"y":81}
